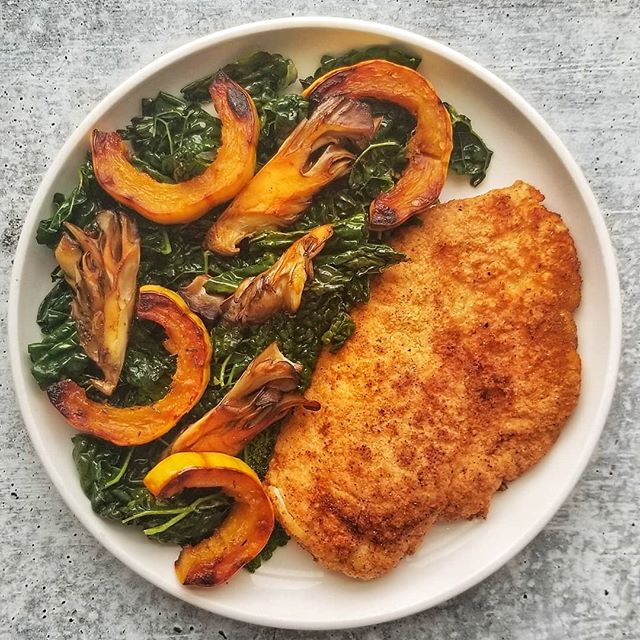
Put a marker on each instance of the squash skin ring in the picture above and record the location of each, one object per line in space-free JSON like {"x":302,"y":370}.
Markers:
{"x":186,"y":201}
{"x":429,"y":147}
{"x":245,"y":530}
{"x":188,"y":338}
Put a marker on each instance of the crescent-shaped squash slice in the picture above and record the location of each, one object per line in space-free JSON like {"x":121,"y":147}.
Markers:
{"x":187,"y":338}
{"x":186,"y":201}
{"x":428,"y":149}
{"x":242,"y":535}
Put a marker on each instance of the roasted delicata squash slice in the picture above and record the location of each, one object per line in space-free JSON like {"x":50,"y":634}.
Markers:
{"x":187,"y":338}
{"x":428,"y":149}
{"x":102,"y":270}
{"x":264,"y":393}
{"x":310,"y":158}
{"x":186,"y":201}
{"x":244,"y":532}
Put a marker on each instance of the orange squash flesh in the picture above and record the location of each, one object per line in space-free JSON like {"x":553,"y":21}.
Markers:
{"x":428,"y":149}
{"x":186,"y":201}
{"x":284,"y":187}
{"x":246,"y":529}
{"x":264,"y":394}
{"x":187,"y":338}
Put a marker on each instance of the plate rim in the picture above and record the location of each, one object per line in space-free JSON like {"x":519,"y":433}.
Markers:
{"x":87,"y":518}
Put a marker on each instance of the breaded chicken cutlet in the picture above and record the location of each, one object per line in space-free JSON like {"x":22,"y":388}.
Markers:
{"x":460,"y":376}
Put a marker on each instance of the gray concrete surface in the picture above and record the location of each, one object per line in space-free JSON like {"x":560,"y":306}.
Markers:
{"x":577,"y":63}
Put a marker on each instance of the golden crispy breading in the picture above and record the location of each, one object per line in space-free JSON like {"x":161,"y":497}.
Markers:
{"x":461,"y":373}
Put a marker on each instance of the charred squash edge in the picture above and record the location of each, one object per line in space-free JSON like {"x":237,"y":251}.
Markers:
{"x":429,"y":147}
{"x":186,"y":201}
{"x":187,"y":338}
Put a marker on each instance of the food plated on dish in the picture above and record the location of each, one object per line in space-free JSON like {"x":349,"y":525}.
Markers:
{"x":291,"y":590}
{"x":205,"y":268}
{"x":448,"y":390}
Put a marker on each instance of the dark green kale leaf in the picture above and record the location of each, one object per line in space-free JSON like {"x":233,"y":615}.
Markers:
{"x":185,"y":258}
{"x":55,"y":308}
{"x":59,"y":355}
{"x":348,"y":233}
{"x":172,"y":140}
{"x":278,"y":118}
{"x":339,"y":332}
{"x":173,"y":254}
{"x":380,"y":165}
{"x":81,"y":207}
{"x":228,"y":281}
{"x":154,"y":238}
{"x":148,"y":367}
{"x":279,"y":538}
{"x":262,"y":74}
{"x":377,"y":52}
{"x":365,"y":173}
{"x":470,"y":155}
{"x":258,"y":451}
{"x":333,"y":272}
{"x":112,"y":478}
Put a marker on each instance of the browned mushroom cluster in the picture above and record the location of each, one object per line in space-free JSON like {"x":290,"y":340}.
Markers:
{"x":257,"y":298}
{"x":315,"y":154}
{"x":264,"y":393}
{"x":102,"y":271}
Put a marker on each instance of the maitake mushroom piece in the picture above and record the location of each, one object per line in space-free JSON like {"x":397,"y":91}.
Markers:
{"x":206,"y":305}
{"x":102,"y":271}
{"x":264,"y":393}
{"x":311,"y":157}
{"x":279,"y":287}
{"x":259,"y":297}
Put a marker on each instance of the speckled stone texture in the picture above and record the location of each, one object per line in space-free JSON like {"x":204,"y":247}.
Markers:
{"x":577,"y":63}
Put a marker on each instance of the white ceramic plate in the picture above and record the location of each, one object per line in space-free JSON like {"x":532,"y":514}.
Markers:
{"x":290,"y":590}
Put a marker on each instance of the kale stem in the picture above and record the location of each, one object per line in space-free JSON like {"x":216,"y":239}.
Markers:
{"x":222,"y":369}
{"x":389,"y":143}
{"x":184,"y":126}
{"x":122,"y":471}
{"x":169,"y":137}
{"x":167,"y":525}
{"x":154,"y":512}
{"x":166,"y":248}
{"x":233,"y":370}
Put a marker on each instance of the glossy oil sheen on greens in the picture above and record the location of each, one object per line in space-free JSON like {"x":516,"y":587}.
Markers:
{"x":470,"y":155}
{"x":174,"y":139}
